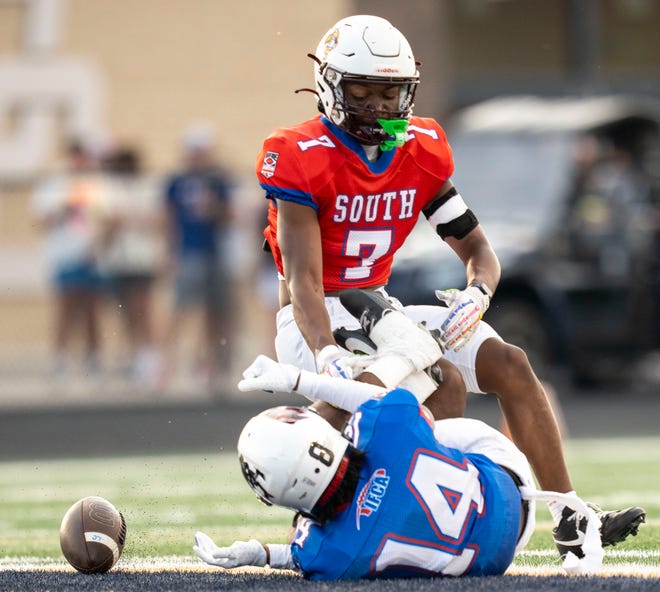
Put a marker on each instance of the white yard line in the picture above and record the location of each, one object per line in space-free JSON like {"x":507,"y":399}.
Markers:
{"x":634,"y":565}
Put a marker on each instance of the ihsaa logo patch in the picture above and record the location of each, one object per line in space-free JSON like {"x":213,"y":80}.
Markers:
{"x":269,"y":164}
{"x":372,"y":495}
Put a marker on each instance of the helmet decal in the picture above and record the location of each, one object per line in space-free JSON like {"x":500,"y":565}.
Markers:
{"x":288,"y":414}
{"x":331,"y":42}
{"x":321,"y":453}
{"x":253,"y":477}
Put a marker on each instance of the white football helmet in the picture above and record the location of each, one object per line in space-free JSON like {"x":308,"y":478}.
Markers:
{"x":365,"y":49}
{"x":289,"y":456}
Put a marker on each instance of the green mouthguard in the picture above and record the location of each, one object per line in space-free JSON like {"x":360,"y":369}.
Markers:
{"x":396,"y":129}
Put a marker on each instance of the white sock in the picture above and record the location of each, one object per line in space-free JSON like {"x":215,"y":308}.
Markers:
{"x":556,"y":508}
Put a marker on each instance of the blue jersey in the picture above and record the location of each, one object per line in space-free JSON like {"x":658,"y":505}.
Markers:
{"x":420,"y":508}
{"x":192,"y":199}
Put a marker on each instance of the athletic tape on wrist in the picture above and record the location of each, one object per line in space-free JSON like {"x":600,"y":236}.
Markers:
{"x":420,"y":385}
{"x":391,"y":370}
{"x":280,"y":556}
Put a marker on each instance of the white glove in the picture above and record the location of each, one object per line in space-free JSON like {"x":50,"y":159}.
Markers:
{"x":270,"y":376}
{"x":466,"y":307}
{"x":240,"y":553}
{"x":334,"y":362}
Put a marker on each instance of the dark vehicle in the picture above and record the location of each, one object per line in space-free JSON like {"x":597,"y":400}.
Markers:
{"x":568,"y":191}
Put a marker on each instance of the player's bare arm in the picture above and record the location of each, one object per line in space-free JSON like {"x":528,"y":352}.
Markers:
{"x":481,"y":263}
{"x":299,"y":237}
{"x":461,"y":231}
{"x":457,"y":225}
{"x":300,"y":243}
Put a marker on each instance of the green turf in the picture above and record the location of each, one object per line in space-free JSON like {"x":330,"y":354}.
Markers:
{"x":165,"y":499}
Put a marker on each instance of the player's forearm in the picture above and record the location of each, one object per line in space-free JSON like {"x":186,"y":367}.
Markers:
{"x":484,"y":268}
{"x":310,"y":314}
{"x":480,"y":260}
{"x":342,"y":393}
{"x":299,"y":239}
{"x":279,"y":556}
{"x":271,"y":376}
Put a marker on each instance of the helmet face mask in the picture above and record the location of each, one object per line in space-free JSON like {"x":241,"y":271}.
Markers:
{"x":365,"y":50}
{"x":289,"y":456}
{"x":364,"y":123}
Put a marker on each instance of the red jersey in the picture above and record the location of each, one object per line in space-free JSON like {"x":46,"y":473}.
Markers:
{"x":365,"y":210}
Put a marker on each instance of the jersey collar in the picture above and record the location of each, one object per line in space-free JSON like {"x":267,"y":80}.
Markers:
{"x":375,"y":167}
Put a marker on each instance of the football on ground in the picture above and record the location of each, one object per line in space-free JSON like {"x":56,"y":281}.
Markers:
{"x":92,"y":535}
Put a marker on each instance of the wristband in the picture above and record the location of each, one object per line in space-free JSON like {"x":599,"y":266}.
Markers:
{"x":279,"y":556}
{"x":483,"y":288}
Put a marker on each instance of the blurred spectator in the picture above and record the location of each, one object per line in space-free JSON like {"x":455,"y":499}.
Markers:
{"x":609,"y":201}
{"x":131,"y":257}
{"x":199,"y":215}
{"x":611,"y":225}
{"x":70,"y":208}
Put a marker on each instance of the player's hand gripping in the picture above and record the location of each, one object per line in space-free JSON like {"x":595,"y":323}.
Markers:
{"x":334,"y":362}
{"x":466,"y":307}
{"x":239,"y":553}
{"x":270,"y":376}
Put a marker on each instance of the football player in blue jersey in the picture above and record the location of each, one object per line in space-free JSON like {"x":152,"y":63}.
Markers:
{"x":394,"y":494}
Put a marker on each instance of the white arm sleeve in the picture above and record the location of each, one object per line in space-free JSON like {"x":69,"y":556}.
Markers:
{"x":342,"y":393}
{"x":350,"y":394}
{"x":279,"y":556}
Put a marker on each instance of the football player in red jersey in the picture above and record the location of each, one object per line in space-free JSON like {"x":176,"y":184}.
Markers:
{"x":345,"y":191}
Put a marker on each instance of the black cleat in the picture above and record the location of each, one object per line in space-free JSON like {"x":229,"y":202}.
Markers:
{"x":355,"y":341}
{"x":569,"y":533}
{"x":615,"y":527}
{"x":367,"y":306}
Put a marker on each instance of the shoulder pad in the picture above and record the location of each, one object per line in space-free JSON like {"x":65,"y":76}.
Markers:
{"x":428,"y":143}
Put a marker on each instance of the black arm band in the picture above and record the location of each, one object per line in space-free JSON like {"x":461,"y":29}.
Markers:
{"x":437,"y":203}
{"x":458,"y":227}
